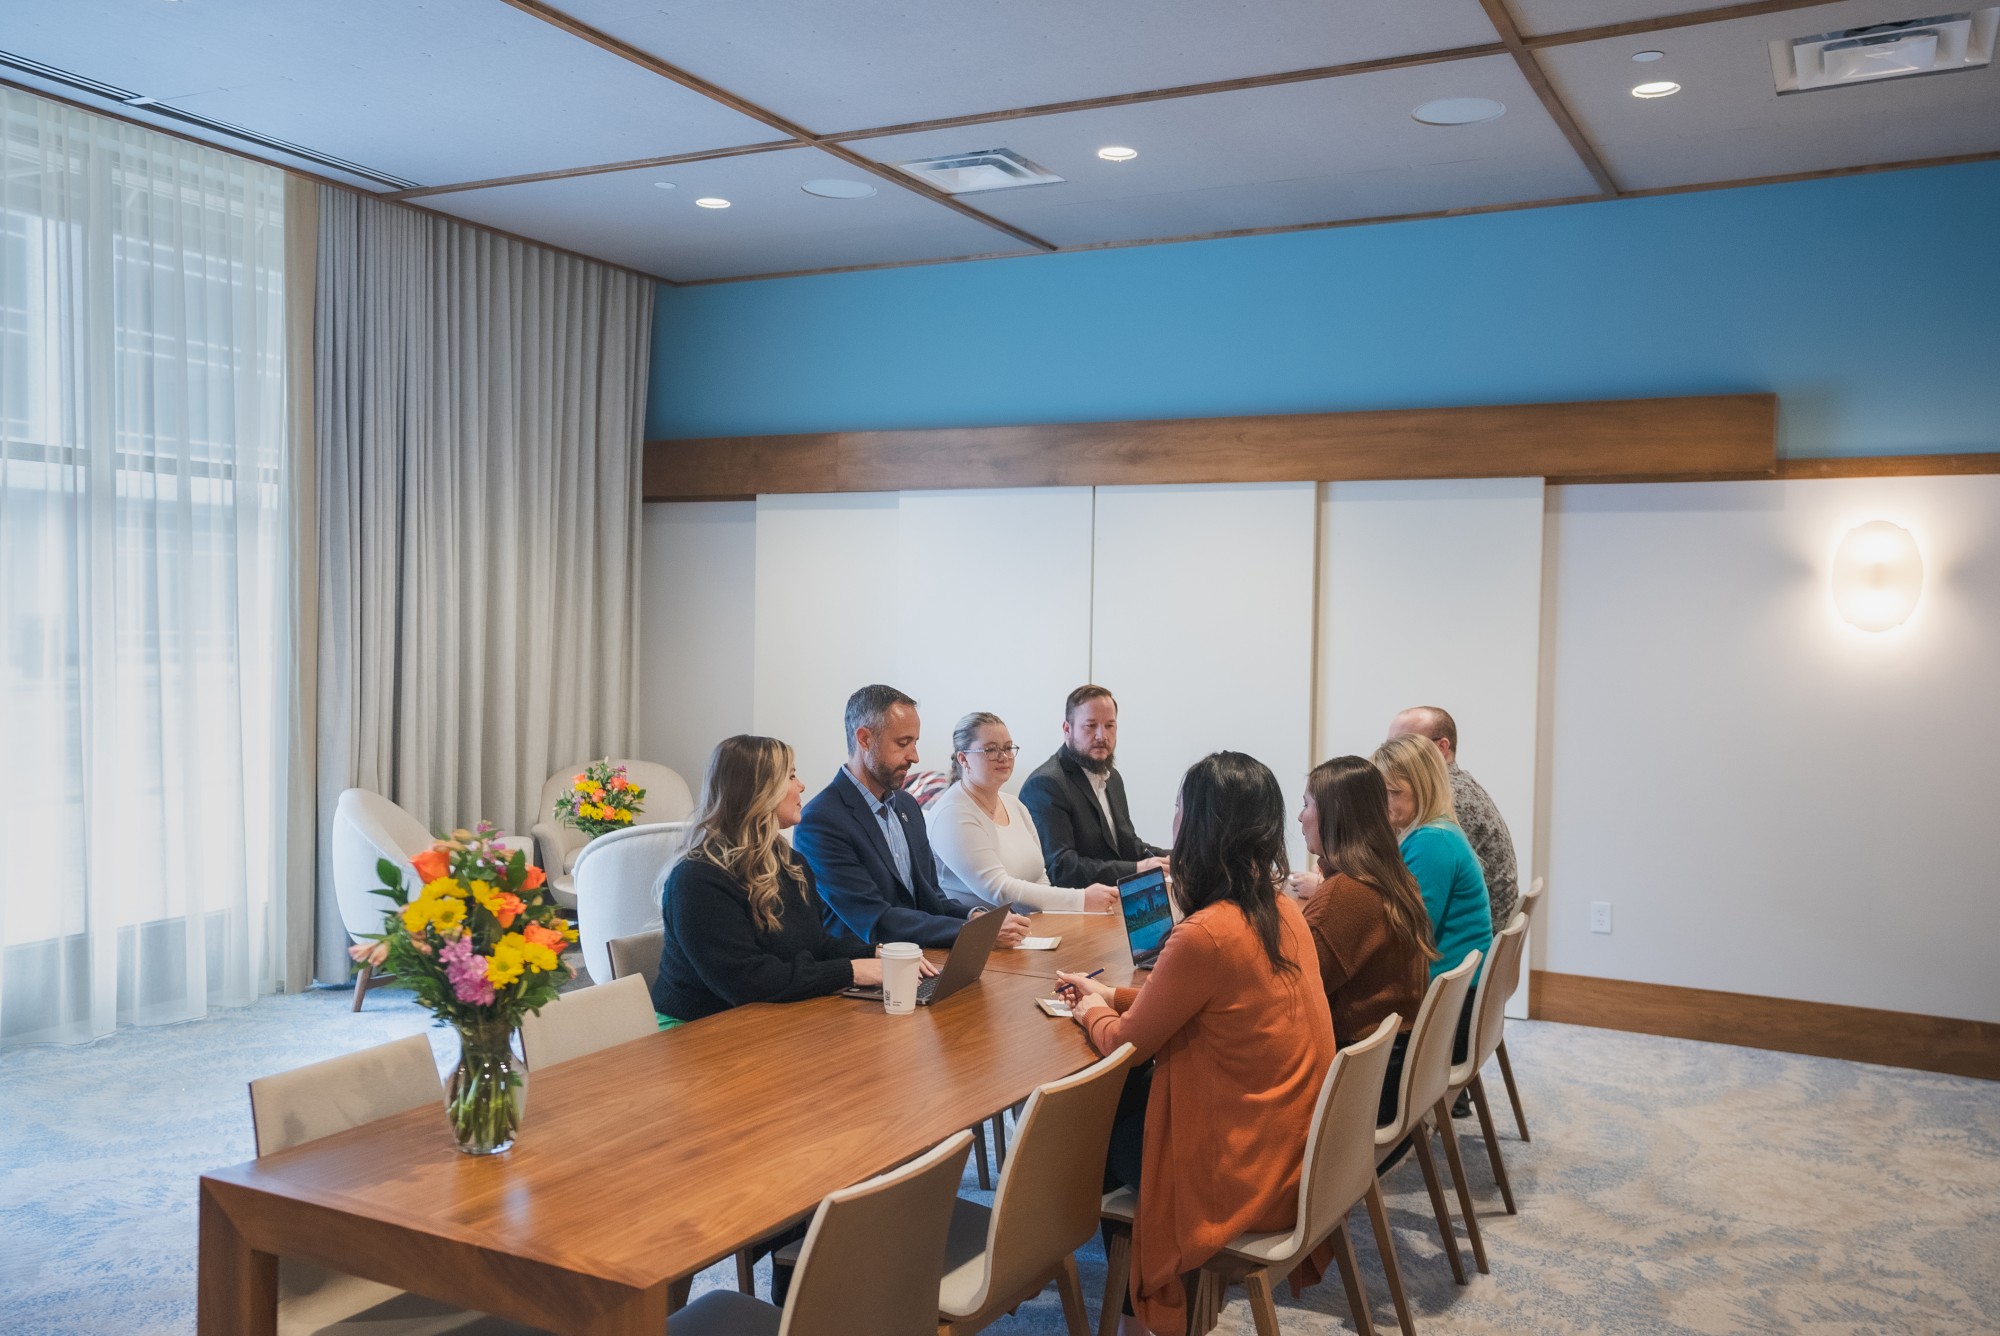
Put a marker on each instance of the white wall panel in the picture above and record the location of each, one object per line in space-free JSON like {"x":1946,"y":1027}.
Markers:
{"x":1773,"y":802}
{"x":1430,"y":594}
{"x":998,"y":612}
{"x":697,"y":590}
{"x":1202,"y":624}
{"x":830,"y":597}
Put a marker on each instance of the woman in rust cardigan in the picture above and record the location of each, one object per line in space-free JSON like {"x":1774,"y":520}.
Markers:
{"x":1370,"y":930}
{"x":1236,"y":1023}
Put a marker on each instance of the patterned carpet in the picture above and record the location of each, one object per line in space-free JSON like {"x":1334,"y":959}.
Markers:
{"x":1671,"y":1187}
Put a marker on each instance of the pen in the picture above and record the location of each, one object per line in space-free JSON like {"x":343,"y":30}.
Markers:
{"x":1094,"y":973}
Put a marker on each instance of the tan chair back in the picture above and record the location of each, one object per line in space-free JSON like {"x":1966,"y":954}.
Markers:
{"x":1427,"y":1059}
{"x":308,"y":1103}
{"x":586,"y":1020}
{"x":1531,"y":900}
{"x":1489,"y":1009}
{"x":1050,"y":1194}
{"x":1340,"y":1147}
{"x":874,"y":1254}
{"x":638,"y":954}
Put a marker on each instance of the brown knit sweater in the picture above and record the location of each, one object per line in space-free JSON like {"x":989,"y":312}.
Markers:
{"x":1366,"y":973}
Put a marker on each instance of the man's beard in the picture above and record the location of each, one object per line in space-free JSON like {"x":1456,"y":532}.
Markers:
{"x":1092,"y":763}
{"x":883,"y":775}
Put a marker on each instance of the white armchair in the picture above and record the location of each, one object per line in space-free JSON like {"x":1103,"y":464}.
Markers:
{"x":668,"y":799}
{"x":618,"y":879}
{"x":366,"y":828}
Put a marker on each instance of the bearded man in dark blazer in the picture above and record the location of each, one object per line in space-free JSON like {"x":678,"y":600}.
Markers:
{"x":1078,"y":800}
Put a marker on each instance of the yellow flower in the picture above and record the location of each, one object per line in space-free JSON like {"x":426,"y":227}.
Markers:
{"x":484,"y":893}
{"x":538,"y":957}
{"x":508,"y":960}
{"x":445,"y":913}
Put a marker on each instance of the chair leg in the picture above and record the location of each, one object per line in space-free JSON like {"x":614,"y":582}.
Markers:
{"x":1392,"y":1270}
{"x":1449,"y":1136}
{"x":1421,"y":1134}
{"x":361,"y":984}
{"x":1069,"y":1287}
{"x":1513,"y":1091}
{"x":746,"y":1272}
{"x":979,"y":1158}
{"x":1350,"y":1280}
{"x":1117,"y":1276}
{"x":999,"y":1143}
{"x":678,"y":1292}
{"x":1263,"y":1308}
{"x":1492,"y":1143}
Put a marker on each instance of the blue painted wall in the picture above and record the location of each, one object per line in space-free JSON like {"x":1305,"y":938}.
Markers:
{"x":1870,"y":304}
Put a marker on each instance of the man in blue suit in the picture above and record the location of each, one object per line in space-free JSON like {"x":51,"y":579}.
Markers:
{"x":864,"y":837}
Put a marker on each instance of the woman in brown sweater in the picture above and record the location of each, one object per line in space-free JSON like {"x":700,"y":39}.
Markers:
{"x":1370,"y":931}
{"x":1236,"y":1023}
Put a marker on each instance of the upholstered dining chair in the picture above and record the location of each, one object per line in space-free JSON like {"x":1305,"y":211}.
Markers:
{"x":638,"y":955}
{"x":584,"y":1020}
{"x":1489,"y":1020}
{"x":1337,"y":1171}
{"x":616,"y":881}
{"x":303,"y":1105}
{"x":1525,"y":912}
{"x":871,"y":1261}
{"x":1420,"y":1103}
{"x":557,"y":846}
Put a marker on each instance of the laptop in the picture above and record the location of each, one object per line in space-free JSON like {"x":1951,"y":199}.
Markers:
{"x":1149,"y":915}
{"x":965,"y":963}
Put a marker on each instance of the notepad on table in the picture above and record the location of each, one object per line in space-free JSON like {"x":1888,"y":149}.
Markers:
{"x":1038,"y":944}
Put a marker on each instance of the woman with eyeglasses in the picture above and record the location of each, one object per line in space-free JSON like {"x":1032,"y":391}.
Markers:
{"x":988,"y":852}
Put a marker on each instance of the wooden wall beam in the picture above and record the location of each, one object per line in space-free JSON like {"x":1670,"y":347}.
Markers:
{"x":1819,"y":1029}
{"x":1733,"y":433}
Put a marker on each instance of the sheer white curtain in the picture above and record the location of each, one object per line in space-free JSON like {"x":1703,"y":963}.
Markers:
{"x":144,"y":574}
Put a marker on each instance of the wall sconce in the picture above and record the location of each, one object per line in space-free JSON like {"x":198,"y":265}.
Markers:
{"x":1878,"y":576}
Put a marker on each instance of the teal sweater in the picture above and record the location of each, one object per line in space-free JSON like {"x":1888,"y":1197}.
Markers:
{"x":1447,"y":872}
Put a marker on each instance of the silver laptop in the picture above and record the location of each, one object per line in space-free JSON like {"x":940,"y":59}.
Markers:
{"x":966,"y":962}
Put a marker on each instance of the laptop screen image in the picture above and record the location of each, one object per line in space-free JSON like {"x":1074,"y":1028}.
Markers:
{"x":1146,"y":904}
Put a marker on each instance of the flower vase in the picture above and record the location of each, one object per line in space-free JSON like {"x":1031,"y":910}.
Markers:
{"x":488,"y":1090}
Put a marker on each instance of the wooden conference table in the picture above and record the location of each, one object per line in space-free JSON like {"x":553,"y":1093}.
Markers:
{"x":642,"y":1164}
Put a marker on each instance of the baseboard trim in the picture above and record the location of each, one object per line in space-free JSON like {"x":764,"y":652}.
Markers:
{"x":1819,"y":1029}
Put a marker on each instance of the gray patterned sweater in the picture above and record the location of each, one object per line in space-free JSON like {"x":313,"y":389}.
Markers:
{"x":1486,"y":831}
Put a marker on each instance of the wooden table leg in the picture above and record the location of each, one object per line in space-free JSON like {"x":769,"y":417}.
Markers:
{"x":237,"y":1287}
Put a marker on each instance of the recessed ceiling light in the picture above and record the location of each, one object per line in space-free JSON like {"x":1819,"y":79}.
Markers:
{"x":1661,"y":89}
{"x":835,"y":188}
{"x":711,"y":202}
{"x":1643,"y":56}
{"x":1458,"y":111}
{"x":663,"y":185}
{"x":1117,"y":153}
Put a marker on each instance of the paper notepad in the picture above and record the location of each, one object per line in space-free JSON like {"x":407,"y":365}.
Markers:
{"x":1039,"y":944}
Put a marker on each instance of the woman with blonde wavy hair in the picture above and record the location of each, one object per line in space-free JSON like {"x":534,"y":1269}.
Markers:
{"x":741,"y":912}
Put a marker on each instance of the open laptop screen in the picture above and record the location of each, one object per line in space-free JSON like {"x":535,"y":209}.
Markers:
{"x":1149,"y":917}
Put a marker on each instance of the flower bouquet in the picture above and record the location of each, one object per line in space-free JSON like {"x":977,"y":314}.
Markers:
{"x":480,"y":943}
{"x":601,"y":799}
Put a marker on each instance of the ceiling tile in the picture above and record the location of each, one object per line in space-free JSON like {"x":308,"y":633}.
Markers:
{"x":1272,"y":157}
{"x":1728,"y":122}
{"x":771,"y":225}
{"x":859,"y":64}
{"x":432,"y":91}
{"x":1536,"y":17}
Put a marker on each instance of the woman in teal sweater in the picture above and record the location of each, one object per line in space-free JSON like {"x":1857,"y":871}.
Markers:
{"x":1446,"y":869}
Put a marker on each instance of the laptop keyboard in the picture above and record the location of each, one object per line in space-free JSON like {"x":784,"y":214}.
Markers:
{"x":926,"y":988}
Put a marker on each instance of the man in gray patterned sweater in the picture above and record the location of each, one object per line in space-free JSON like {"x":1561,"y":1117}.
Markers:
{"x":1485,"y":829}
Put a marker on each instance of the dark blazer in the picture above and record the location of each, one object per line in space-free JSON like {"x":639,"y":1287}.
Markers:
{"x":838,"y":837}
{"x":1076,"y":847}
{"x":715,"y":956}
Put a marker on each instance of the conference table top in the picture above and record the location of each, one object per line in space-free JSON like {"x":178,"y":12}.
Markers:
{"x":644,"y":1163}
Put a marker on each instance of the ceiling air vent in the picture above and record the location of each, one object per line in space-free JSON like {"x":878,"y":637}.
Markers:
{"x":987,"y":169}
{"x":1885,"y":51}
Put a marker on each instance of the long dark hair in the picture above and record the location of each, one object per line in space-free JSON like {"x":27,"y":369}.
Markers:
{"x":1231,"y":844}
{"x":1355,"y":838}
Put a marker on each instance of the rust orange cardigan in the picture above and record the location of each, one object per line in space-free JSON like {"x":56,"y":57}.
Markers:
{"x":1240,"y":1051}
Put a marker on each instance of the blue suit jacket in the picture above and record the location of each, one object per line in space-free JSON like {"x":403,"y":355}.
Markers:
{"x":838,"y":837}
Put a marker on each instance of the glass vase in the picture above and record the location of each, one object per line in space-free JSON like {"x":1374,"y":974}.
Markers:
{"x":485,"y":1098}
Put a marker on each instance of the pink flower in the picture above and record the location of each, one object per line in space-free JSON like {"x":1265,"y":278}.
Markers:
{"x":466,"y":972}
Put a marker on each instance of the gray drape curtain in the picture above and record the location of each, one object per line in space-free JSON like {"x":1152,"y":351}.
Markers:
{"x":480,"y":408}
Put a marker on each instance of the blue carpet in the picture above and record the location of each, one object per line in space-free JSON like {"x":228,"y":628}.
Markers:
{"x":1671,"y":1187}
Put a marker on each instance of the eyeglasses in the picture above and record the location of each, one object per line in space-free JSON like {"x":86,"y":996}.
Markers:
{"x":996,"y":753}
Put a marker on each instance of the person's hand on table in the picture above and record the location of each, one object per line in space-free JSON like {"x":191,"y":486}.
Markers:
{"x":1148,"y":864}
{"x":1084,"y":994}
{"x":867,"y":973}
{"x":1100,"y":899}
{"x":925,"y":970}
{"x":1013,"y":932}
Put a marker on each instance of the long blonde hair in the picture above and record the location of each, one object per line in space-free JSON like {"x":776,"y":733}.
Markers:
{"x":735,"y":825}
{"x":1413,"y":761}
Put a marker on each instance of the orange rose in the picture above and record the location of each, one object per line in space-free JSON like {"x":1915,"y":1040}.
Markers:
{"x":552,"y":938}
{"x":431,"y":864}
{"x":507,"y":907}
{"x":534,"y":878}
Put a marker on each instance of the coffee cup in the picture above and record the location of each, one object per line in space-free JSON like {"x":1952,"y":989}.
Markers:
{"x":902,"y":962}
